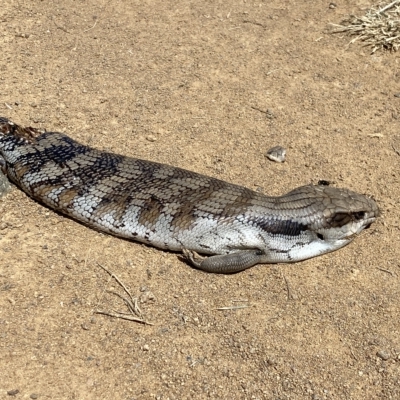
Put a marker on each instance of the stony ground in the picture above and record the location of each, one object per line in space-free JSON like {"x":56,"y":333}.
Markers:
{"x":209,"y":86}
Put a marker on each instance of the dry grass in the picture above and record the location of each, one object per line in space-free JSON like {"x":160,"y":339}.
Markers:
{"x":379,"y":28}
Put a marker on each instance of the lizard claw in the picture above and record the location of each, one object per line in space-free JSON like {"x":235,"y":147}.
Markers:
{"x":193,"y":258}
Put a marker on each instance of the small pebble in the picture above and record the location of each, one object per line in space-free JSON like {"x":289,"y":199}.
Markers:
{"x":384,"y":355}
{"x":277,"y":154}
{"x":271,"y":362}
{"x":146,"y":347}
{"x":13,"y":392}
{"x":151,"y":138}
{"x":146,"y":296}
{"x":269,"y":114}
{"x":332,"y":5}
{"x":34,"y":396}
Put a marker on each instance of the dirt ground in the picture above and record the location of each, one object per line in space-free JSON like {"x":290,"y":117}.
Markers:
{"x":209,"y":86}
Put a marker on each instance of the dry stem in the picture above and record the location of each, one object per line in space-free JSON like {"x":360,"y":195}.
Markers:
{"x":379,"y":28}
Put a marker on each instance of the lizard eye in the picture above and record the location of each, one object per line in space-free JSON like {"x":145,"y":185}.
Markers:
{"x":342,"y":218}
{"x":320,"y":236}
{"x":339,"y":219}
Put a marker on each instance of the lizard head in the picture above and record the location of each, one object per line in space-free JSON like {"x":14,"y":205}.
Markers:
{"x":324,"y":219}
{"x":341,"y":216}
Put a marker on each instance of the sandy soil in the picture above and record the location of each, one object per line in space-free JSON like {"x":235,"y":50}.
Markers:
{"x":209,"y":86}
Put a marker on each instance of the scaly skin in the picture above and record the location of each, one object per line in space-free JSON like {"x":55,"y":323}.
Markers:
{"x":175,"y":209}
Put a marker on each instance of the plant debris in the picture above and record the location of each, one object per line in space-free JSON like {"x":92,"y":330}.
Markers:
{"x":379,"y":28}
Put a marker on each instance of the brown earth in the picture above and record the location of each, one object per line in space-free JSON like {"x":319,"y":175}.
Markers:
{"x":189,"y":83}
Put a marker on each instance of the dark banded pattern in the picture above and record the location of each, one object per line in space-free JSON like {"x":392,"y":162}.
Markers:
{"x":176,"y":209}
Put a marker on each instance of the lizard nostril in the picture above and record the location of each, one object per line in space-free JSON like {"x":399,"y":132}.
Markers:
{"x":359,"y":215}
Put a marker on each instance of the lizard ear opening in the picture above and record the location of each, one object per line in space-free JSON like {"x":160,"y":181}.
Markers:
{"x":320,"y":236}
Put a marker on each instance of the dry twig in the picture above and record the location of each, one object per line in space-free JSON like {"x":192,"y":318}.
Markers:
{"x":395,"y":150}
{"x":379,"y":28}
{"x":385,"y":270}
{"x":235,"y":307}
{"x":135,"y":314}
{"x":288,"y":289}
{"x":238,"y":307}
